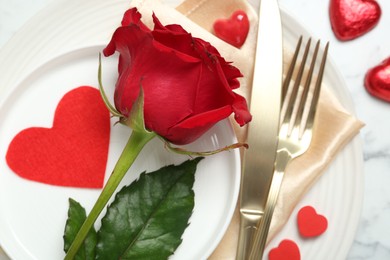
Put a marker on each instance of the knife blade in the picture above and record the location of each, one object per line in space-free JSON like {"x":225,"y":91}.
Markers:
{"x":265,"y":101}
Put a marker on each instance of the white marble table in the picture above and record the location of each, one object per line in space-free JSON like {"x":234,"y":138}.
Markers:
{"x":353,"y":59}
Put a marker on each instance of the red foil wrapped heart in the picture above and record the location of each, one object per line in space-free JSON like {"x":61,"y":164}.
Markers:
{"x":233,"y":30}
{"x":377,"y":80}
{"x":353,"y":18}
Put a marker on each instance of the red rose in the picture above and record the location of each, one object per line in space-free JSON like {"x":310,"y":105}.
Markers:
{"x":187,"y":84}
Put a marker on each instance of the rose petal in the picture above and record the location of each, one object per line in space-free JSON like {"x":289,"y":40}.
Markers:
{"x":132,"y":16}
{"x":240,"y":109}
{"x":195,"y":126}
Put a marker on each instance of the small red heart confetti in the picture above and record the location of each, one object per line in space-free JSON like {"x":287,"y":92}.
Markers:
{"x":377,"y":80}
{"x":353,"y":18}
{"x":233,"y":30}
{"x":287,"y":250}
{"x":311,"y":224}
{"x":74,"y":151}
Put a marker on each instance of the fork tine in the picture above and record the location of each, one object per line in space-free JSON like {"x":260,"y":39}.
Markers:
{"x":317,"y":88}
{"x":287,"y":81}
{"x":306,"y":88}
{"x":291,"y":67}
{"x":293,"y":97}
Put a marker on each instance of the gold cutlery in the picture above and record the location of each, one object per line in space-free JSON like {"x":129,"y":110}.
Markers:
{"x":296,"y":130}
{"x":258,"y":160}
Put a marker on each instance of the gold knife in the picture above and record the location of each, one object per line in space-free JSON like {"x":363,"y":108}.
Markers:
{"x":258,"y":163}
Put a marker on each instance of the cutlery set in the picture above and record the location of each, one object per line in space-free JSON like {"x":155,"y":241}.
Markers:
{"x":282,"y":125}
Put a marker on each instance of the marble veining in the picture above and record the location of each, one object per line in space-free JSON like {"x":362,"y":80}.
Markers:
{"x":353,"y":59}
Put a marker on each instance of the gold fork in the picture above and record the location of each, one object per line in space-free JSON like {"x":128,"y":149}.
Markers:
{"x":296,"y":130}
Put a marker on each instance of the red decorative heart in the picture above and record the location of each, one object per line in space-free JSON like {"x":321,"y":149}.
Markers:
{"x":353,"y":18}
{"x":74,"y":151}
{"x":311,"y":224}
{"x":233,"y":30}
{"x":287,"y":250}
{"x":377,"y":80}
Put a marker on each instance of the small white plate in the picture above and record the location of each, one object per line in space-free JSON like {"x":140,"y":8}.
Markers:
{"x":33,"y":215}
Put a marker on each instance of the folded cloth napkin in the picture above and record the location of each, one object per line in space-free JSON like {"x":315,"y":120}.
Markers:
{"x":335,"y":127}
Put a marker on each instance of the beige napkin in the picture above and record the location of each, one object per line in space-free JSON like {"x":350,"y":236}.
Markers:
{"x":335,"y":126}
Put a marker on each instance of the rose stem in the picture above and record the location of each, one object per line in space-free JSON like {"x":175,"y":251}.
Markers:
{"x":132,"y":149}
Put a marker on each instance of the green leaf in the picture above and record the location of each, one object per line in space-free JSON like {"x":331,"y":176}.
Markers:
{"x":76,"y":217}
{"x":148,"y":217}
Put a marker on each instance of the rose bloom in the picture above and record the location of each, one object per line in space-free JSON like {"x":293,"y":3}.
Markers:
{"x":187,"y":85}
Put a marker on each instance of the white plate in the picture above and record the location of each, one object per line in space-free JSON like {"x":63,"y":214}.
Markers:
{"x":33,"y":214}
{"x":65,"y":26}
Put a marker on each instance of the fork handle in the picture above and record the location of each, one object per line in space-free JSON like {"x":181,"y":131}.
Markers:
{"x":283,"y":157}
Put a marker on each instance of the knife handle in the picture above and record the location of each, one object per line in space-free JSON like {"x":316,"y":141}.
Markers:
{"x":260,"y":237}
{"x":248,"y":227}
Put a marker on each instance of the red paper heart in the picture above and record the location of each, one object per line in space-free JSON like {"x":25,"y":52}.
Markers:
{"x":377,"y":80}
{"x":74,"y":151}
{"x":311,"y":224}
{"x":287,"y":250}
{"x":353,"y":18}
{"x":233,"y":30}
